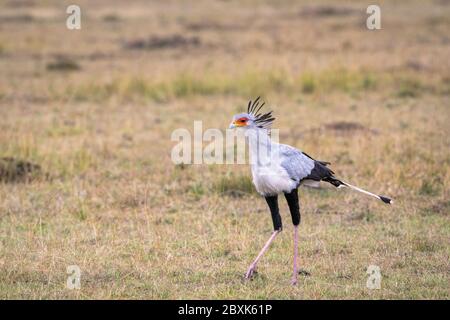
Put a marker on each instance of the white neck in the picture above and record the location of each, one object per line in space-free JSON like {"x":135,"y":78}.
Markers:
{"x":258,"y":136}
{"x":260,"y":145}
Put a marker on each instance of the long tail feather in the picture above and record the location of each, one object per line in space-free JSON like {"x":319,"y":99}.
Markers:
{"x":322,"y":172}
{"x":382,"y":198}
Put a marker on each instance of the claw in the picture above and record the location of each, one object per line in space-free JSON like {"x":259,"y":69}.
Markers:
{"x":250,"y":272}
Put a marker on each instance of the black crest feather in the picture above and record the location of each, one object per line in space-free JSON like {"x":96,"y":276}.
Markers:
{"x":262,"y":120}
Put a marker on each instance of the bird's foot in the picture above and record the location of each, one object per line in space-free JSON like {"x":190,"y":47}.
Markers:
{"x":294,"y":280}
{"x":299,"y":272}
{"x":250,"y":272}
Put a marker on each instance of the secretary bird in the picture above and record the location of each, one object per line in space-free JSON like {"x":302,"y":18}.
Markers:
{"x":279,"y":168}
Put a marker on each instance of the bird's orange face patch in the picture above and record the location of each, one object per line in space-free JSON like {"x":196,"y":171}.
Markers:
{"x":241,"y":122}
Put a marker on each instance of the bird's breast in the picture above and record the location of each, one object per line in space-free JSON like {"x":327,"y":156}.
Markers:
{"x":271,"y":180}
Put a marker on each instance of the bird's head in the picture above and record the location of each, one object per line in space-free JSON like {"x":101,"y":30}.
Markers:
{"x":253,"y":118}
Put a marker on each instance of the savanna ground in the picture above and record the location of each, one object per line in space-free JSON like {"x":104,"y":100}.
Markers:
{"x":86,"y":176}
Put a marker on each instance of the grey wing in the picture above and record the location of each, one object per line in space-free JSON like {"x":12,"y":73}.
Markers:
{"x":297,"y":164}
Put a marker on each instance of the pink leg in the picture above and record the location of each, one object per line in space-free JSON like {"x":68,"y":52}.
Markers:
{"x":252,"y":267}
{"x":294,"y":276}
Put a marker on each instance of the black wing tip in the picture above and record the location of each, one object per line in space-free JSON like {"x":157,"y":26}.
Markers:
{"x":386,"y":200}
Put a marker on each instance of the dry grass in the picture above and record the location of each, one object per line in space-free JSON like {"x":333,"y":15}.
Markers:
{"x":96,"y":117}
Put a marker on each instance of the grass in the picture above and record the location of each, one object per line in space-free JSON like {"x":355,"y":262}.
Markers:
{"x":109,"y":200}
{"x":63,"y":65}
{"x":410,"y":88}
{"x":233,"y":185}
{"x":183,"y":85}
{"x":249,"y":83}
{"x":430,"y":187}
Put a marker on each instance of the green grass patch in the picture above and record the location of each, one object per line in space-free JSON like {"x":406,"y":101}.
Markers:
{"x":422,"y":244}
{"x":234,"y":185}
{"x":410,"y":88}
{"x":430,"y":187}
{"x":64,"y":64}
{"x":196,"y":189}
{"x":248,"y":83}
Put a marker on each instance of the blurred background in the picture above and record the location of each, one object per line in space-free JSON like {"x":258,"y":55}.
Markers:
{"x":86,"y":118}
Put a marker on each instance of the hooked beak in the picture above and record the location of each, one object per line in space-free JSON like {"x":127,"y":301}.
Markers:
{"x":232,"y":125}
